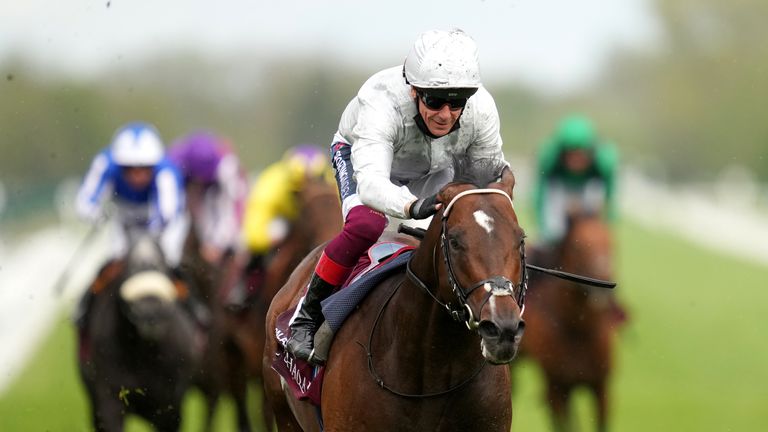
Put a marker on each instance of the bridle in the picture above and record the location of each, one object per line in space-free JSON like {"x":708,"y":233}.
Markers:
{"x":495,"y":285}
{"x":462,"y":312}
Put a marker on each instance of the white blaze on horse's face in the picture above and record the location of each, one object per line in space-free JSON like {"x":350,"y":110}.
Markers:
{"x":485,"y":221}
{"x":497,"y":290}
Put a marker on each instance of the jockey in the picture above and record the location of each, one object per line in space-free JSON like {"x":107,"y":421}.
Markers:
{"x":210,"y":167}
{"x":144,"y":186}
{"x":394,"y":151}
{"x":146,"y":191}
{"x":574,"y":169}
{"x":272,"y":205}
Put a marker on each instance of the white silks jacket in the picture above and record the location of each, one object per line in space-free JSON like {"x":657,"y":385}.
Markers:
{"x":393,"y":160}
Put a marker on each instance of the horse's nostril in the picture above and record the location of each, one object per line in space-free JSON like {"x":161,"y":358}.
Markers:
{"x":487,"y":329}
{"x":521,"y":326}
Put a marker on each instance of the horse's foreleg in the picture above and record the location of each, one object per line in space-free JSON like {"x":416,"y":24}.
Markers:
{"x":239,"y":390}
{"x":273,"y":392}
{"x":108,"y":416}
{"x":211,"y":400}
{"x":558,"y":397}
{"x":267,"y":413}
{"x":168,"y":421}
{"x":601,"y":404}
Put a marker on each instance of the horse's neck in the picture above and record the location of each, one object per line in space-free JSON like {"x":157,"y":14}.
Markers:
{"x":423,"y":318}
{"x":126,"y":333}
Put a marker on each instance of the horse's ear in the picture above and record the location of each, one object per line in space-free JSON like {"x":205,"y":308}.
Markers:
{"x":451,"y":190}
{"x":506,"y":181}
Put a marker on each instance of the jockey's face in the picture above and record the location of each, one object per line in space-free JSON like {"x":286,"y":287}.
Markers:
{"x":577,"y":161}
{"x":439,"y":121}
{"x":138,"y":177}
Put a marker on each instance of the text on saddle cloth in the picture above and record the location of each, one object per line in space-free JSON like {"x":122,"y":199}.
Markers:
{"x":305,"y":379}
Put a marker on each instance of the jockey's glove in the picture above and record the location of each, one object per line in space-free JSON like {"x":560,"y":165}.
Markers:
{"x":423,"y":208}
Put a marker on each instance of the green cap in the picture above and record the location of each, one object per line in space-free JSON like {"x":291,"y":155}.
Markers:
{"x":575,"y":132}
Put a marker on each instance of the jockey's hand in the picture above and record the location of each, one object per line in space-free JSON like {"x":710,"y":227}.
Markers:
{"x":97,"y":216}
{"x":423,"y":208}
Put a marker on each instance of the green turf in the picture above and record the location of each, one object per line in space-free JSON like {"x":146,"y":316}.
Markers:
{"x":692,"y":357}
{"x":49,"y":396}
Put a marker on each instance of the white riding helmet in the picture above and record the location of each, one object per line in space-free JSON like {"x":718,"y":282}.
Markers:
{"x":443,"y":59}
{"x":137,"y":144}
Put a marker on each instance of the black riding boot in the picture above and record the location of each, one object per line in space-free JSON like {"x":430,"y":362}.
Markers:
{"x":309,"y":318}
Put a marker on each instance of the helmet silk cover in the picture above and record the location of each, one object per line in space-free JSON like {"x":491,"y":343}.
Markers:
{"x":443,"y":59}
{"x":136,"y":145}
{"x":198,"y":155}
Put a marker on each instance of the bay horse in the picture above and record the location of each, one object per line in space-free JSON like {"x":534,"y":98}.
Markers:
{"x":571,"y":327}
{"x":319,"y":221}
{"x":142,"y":346}
{"x":422,"y":351}
{"x":221,"y":369}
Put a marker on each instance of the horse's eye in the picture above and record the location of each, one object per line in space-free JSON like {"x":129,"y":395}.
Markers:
{"x":454,"y":243}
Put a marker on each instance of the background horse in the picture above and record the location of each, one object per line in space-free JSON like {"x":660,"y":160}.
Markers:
{"x":221,"y":369}
{"x":143,"y":347}
{"x":319,"y":221}
{"x":401,"y":361}
{"x":571,"y":327}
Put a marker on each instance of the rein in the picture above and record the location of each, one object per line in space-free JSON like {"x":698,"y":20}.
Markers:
{"x":463,"y":311}
{"x":377,"y":377}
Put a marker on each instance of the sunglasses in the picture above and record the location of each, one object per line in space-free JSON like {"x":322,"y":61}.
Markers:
{"x":436,"y":103}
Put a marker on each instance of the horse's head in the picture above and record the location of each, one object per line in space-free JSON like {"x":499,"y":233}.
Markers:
{"x":148,"y":302}
{"x":482,"y":264}
{"x":147,"y":292}
{"x":587,"y":247}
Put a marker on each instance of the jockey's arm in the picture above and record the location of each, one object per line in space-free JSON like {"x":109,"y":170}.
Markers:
{"x":270,"y":198}
{"x":372,"y":161}
{"x":230,"y":201}
{"x":547,"y":158}
{"x":486,"y":142}
{"x":170,"y":194}
{"x":607,"y":160}
{"x":372,"y":156}
{"x":93,"y":189}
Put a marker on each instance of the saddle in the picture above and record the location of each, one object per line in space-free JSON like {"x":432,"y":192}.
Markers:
{"x":305,"y":379}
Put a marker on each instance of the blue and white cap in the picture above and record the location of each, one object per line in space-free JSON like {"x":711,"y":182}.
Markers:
{"x":137,"y":144}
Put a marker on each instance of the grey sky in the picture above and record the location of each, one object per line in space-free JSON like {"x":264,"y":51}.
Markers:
{"x":551,"y":43}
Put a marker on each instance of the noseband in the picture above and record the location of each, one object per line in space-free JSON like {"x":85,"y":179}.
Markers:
{"x":494,"y":285}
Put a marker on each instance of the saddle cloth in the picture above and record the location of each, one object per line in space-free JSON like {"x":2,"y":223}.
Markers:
{"x":305,"y":379}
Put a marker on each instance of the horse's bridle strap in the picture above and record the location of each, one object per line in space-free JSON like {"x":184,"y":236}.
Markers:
{"x":471,"y":192}
{"x":460,"y":292}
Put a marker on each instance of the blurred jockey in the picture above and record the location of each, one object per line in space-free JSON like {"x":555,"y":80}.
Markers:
{"x":394,"y":151}
{"x":216,"y":190}
{"x":272,"y":204}
{"x":575,"y":170}
{"x":146,"y":191}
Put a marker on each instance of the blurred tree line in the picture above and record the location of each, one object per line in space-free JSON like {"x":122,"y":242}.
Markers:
{"x":684,"y":110}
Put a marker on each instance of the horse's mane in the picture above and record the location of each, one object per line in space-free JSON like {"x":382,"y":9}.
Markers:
{"x":478,"y":172}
